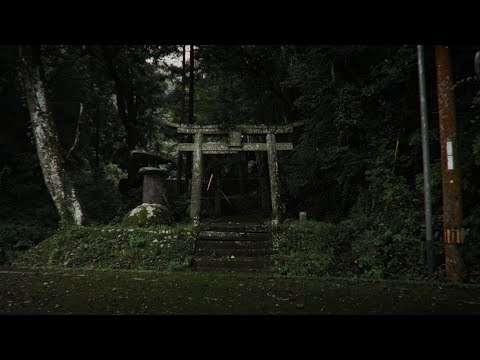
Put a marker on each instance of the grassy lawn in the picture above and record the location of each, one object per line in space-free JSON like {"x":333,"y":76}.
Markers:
{"x":68,"y":291}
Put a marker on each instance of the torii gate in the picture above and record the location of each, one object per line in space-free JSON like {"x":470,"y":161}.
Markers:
{"x":234,"y":144}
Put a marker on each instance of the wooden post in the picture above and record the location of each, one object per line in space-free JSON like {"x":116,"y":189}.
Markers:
{"x":302,"y":216}
{"x":274,"y":179}
{"x":197,"y":169}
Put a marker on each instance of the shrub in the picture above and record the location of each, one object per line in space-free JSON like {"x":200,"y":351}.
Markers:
{"x":15,"y":238}
{"x":387,"y":239}
{"x":304,"y":248}
{"x":380,"y":239}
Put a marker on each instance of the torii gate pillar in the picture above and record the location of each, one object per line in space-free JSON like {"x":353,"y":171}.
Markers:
{"x":197,"y":169}
{"x":277,"y":213}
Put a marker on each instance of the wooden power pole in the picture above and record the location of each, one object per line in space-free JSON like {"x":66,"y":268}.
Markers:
{"x":451,"y":190}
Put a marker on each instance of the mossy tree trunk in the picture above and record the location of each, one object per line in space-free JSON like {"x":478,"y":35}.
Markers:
{"x":45,"y":133}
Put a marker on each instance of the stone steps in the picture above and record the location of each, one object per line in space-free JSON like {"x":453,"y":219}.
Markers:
{"x":231,"y":244}
{"x":234,"y":248}
{"x":233,"y":235}
{"x":243,"y":264}
{"x":216,"y":252}
{"x":258,"y":228}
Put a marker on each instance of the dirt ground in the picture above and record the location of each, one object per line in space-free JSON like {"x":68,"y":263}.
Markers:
{"x":67,"y":291}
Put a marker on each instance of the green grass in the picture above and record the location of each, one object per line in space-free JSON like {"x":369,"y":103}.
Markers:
{"x":113,"y":247}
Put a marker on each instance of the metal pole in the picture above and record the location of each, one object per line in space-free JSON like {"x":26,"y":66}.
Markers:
{"x":452,"y":199}
{"x":426,"y":160}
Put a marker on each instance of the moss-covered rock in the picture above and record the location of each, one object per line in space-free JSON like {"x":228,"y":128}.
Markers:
{"x":147,"y":215}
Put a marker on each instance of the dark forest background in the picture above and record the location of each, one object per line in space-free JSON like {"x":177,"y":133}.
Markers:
{"x":357,"y":102}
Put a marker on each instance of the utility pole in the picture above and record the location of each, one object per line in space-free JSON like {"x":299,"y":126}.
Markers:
{"x":426,"y":160}
{"x":191,"y":85}
{"x":184,"y":82}
{"x":451,"y":190}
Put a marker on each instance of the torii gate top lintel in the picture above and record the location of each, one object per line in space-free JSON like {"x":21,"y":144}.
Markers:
{"x":244,"y":128}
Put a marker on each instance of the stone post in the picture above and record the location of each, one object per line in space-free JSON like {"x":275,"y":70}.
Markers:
{"x":274,"y":179}
{"x":153,"y":185}
{"x":302,"y":216}
{"x":197,"y":169}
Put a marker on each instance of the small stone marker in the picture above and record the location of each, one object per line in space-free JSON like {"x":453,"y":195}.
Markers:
{"x":302,"y":216}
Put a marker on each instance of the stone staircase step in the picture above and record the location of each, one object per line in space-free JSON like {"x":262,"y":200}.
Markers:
{"x":238,"y":228}
{"x":234,"y":244}
{"x":233,"y":247}
{"x":228,"y":263}
{"x":215,"y":252}
{"x":236,"y":236}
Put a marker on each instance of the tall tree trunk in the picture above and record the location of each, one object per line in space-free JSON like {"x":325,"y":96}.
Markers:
{"x":127,"y":111}
{"x":59,"y":186}
{"x":180,"y":162}
{"x":189,"y":157}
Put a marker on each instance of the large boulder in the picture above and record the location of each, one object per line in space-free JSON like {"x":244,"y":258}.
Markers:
{"x":147,"y":215}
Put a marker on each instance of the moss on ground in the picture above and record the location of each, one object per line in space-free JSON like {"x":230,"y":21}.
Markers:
{"x":79,"y":291}
{"x":113,"y":247}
